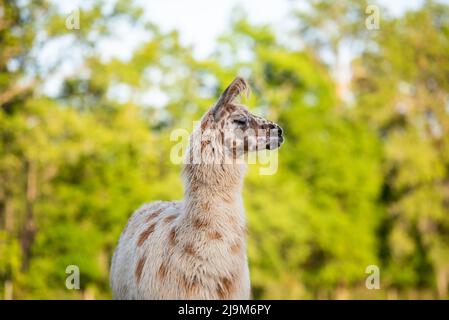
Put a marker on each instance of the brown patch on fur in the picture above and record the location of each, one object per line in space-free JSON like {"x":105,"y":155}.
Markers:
{"x":162,"y":271}
{"x":204,"y":143}
{"x":233,"y":222}
{"x":139,"y":268}
{"x":229,"y":108}
{"x":145,"y":234}
{"x":205,"y":123}
{"x":153,"y":215}
{"x":226,"y":197}
{"x":253,"y":124}
{"x":235,"y":248}
{"x":194,"y":187}
{"x":214,"y":235}
{"x":190,"y":286}
{"x":199,"y":223}
{"x":169,"y":219}
{"x":225,"y":288}
{"x":172,"y":237}
{"x":205,"y":206}
{"x":188,"y":249}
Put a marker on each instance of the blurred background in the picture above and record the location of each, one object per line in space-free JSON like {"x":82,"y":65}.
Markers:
{"x":90,"y":91}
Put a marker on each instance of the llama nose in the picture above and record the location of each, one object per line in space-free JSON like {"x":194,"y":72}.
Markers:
{"x":280,"y":132}
{"x":280,"y":136}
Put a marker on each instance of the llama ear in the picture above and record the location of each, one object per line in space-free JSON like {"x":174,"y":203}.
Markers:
{"x":236,"y":87}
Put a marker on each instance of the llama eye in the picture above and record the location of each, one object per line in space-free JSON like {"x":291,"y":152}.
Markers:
{"x":241,"y":121}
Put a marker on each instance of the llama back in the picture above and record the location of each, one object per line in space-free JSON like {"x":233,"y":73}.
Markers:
{"x":155,"y":259}
{"x":132,"y":260}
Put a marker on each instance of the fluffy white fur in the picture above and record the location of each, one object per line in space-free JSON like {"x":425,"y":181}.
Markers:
{"x":195,"y":248}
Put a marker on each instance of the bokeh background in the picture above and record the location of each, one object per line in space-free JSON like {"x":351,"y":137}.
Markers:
{"x":363,"y":177}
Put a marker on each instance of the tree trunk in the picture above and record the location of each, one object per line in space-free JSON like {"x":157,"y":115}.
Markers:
{"x":9,"y":215}
{"x":8,"y":290}
{"x":442,"y":283}
{"x":29,"y":230}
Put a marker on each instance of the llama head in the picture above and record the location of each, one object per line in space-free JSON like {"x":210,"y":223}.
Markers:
{"x":228,"y":130}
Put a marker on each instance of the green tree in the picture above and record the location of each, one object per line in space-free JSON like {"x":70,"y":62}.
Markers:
{"x":401,"y":89}
{"x":312,"y":224}
{"x":73,"y":167}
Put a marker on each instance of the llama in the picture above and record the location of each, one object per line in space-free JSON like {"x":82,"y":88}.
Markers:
{"x":196,"y":248}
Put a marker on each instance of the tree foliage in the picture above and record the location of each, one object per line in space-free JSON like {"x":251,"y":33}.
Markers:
{"x":358,"y":183}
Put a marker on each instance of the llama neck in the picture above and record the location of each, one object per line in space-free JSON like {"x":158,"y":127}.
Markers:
{"x":213,"y":196}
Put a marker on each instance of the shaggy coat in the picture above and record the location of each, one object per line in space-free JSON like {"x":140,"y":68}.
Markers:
{"x":195,"y":248}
